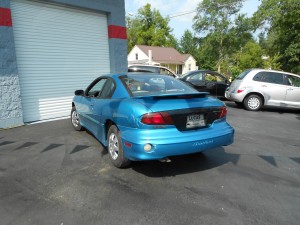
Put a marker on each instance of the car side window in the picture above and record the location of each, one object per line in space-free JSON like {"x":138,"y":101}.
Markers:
{"x":210,"y":77}
{"x":108,"y":89}
{"x":293,"y":81}
{"x":96,"y":89}
{"x":166,"y":72}
{"x":258,"y":77}
{"x":195,"y":77}
{"x":269,"y":77}
{"x":220,"y":79}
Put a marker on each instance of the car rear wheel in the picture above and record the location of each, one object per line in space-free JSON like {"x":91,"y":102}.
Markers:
{"x":115,"y":148}
{"x":253,"y":102}
{"x":75,"y":120}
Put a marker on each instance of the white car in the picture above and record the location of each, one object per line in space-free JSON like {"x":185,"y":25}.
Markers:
{"x":255,"y":88}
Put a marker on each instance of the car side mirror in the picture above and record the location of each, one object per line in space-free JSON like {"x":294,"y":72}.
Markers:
{"x":79,"y":92}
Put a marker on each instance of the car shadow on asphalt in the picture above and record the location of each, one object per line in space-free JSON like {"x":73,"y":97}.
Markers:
{"x":183,"y":164}
{"x":232,"y":105}
{"x":103,"y":150}
{"x":186,"y":164}
{"x":280,"y":110}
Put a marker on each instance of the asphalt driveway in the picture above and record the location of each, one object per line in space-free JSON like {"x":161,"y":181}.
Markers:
{"x":51,"y":174}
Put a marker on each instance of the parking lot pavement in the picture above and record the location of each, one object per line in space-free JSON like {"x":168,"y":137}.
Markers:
{"x":51,"y":174}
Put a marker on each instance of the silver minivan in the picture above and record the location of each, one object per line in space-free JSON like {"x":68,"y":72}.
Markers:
{"x":255,"y":88}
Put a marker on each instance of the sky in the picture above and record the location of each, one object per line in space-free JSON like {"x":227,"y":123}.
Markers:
{"x":177,"y":7}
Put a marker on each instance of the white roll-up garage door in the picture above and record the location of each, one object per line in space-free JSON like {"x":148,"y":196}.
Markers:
{"x":58,"y":50}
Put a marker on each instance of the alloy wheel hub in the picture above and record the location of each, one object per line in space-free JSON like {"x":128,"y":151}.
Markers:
{"x":75,"y":119}
{"x":253,"y":103}
{"x":113,"y":146}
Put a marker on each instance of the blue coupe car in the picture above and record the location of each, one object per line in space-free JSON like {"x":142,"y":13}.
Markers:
{"x":147,"y":117}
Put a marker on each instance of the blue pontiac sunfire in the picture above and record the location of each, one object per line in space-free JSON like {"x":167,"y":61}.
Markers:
{"x":147,"y":117}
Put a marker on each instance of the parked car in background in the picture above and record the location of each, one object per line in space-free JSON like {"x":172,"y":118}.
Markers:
{"x":152,"y":69}
{"x":207,"y":81}
{"x":136,"y":119}
{"x":255,"y":88}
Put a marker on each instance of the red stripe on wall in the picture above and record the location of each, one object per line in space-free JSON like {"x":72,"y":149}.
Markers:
{"x":117,"y":32}
{"x":5,"y":17}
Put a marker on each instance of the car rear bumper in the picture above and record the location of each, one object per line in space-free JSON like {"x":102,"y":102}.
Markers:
{"x":170,"y":142}
{"x":236,"y":97}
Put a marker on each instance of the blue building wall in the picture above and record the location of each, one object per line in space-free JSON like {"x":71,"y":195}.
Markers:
{"x":11,"y":113}
{"x":10,"y":101}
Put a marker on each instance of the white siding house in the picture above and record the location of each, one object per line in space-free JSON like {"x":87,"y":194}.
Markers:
{"x":163,"y":56}
{"x":189,"y":64}
{"x":137,"y":55}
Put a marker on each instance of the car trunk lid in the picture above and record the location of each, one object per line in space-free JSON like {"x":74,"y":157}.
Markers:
{"x":187,"y":112}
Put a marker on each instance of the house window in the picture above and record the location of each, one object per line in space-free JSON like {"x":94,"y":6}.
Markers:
{"x":190,"y":66}
{"x":136,"y":56}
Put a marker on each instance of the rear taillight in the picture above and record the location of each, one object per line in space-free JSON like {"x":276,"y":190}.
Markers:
{"x":222,"y":112}
{"x":161,"y":118}
{"x":241,"y":90}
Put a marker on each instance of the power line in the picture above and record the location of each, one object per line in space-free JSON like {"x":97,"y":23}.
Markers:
{"x":170,"y":16}
{"x":192,"y":11}
{"x":186,"y":12}
{"x":182,"y":13}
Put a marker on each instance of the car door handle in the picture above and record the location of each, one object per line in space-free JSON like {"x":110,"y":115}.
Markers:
{"x":92,"y":104}
{"x":290,"y":89}
{"x":264,"y":85}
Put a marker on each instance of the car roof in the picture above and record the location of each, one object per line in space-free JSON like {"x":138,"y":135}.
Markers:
{"x":156,"y":66}
{"x":195,"y":71}
{"x":276,"y":71}
{"x":113,"y":75}
{"x":117,"y":75}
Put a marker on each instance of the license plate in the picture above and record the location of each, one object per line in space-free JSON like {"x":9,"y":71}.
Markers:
{"x":195,"y":121}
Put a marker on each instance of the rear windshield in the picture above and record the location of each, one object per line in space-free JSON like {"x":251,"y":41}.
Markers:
{"x":144,"y":69}
{"x":153,"y":85}
{"x":242,"y":75}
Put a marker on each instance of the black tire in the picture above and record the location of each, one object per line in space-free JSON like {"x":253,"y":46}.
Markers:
{"x":75,"y":120}
{"x":115,"y":148}
{"x":253,"y":102}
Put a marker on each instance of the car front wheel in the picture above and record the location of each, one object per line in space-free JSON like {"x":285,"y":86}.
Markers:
{"x":253,"y":102}
{"x":75,"y":120}
{"x":115,"y":148}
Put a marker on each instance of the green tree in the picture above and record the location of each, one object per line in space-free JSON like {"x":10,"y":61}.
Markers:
{"x":206,"y":55}
{"x":188,"y":43}
{"x":239,"y":34}
{"x":266,"y":14}
{"x":250,"y":56}
{"x":148,"y":27}
{"x":270,"y":54}
{"x":287,"y":27}
{"x":272,"y":62}
{"x":214,"y":17}
{"x":280,"y":19}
